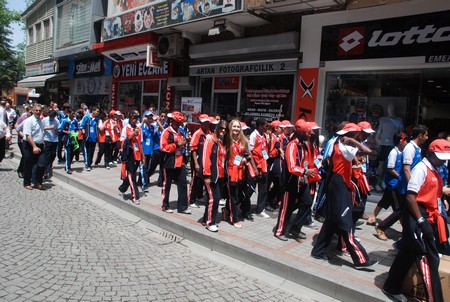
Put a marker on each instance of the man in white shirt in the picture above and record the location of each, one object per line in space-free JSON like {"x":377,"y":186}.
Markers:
{"x":5,"y":137}
{"x":33,"y":149}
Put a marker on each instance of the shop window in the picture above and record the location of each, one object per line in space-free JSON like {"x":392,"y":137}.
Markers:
{"x":47,"y":29}
{"x":205,"y":93}
{"x":38,"y":32}
{"x":130,"y":94}
{"x":30,"y":39}
{"x":367,"y":96}
{"x":73,"y":23}
{"x":269,"y":97}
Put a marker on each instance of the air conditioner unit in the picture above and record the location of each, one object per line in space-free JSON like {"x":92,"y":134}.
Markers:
{"x":170,"y":46}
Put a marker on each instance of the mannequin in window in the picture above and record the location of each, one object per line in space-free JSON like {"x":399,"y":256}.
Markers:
{"x":389,"y":125}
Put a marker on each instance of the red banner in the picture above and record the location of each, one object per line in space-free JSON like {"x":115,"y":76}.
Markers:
{"x":306,"y":100}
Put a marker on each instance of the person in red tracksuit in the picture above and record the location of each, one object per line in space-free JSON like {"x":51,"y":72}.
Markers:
{"x":297,"y":194}
{"x":213,"y":163}
{"x":260,"y":153}
{"x":275,"y":166}
{"x":238,"y":158}
{"x":132,"y":146}
{"x":424,"y":228}
{"x":196,"y":144}
{"x":173,"y":143}
{"x":339,"y":201}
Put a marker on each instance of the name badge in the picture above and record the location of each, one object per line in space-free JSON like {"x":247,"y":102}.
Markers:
{"x":318,"y":163}
{"x":91,"y":130}
{"x":237,"y":160}
{"x":147,"y":142}
{"x":107,"y":132}
{"x":136,"y":146}
{"x":265,"y":155}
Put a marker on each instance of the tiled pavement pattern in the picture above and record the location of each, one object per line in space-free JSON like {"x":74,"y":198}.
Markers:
{"x":58,"y":246}
{"x":254,"y":244}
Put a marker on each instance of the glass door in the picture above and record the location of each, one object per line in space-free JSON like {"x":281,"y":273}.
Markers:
{"x":225,"y":104}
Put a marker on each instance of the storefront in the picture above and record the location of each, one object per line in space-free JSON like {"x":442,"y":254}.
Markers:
{"x":91,"y":82}
{"x":388,"y":62}
{"x":256,"y":89}
{"x":136,"y":86}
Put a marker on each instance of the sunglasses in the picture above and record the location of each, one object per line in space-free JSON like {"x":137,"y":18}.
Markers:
{"x":134,"y":116}
{"x":222,"y":129}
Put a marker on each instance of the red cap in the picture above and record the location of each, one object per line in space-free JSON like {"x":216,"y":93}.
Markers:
{"x":111,"y":113}
{"x":118,"y":112}
{"x":275,"y":124}
{"x":286,"y":124}
{"x":177,"y":116}
{"x":349,"y":127}
{"x":244,"y":126}
{"x":366,"y":127}
{"x":303,"y":126}
{"x":203,"y":118}
{"x":314,"y":126}
{"x":213,"y":121}
{"x":440,"y":147}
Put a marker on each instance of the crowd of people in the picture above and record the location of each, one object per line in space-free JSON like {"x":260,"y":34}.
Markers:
{"x":283,"y":163}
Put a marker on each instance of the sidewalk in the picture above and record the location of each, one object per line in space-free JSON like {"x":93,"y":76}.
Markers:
{"x":254,"y":244}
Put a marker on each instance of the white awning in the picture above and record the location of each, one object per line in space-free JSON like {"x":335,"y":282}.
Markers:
{"x":37,"y":81}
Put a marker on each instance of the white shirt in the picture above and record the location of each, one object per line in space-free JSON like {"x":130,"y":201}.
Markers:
{"x":392,"y":158}
{"x":11,"y":114}
{"x":418,"y":175}
{"x":33,"y":127}
{"x":51,"y":135}
{"x":4,"y":130}
{"x":348,"y":152}
{"x":409,"y":152}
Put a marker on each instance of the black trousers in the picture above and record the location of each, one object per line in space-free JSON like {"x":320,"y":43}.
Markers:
{"x":427,"y":262}
{"x":20,"y":168}
{"x":236,"y":199}
{"x":130,"y":179}
{"x":292,"y":200}
{"x":89,"y":149}
{"x":155,"y":162}
{"x":104,"y":149}
{"x":177,"y":175}
{"x":69,"y":153}
{"x":214,"y":191}
{"x":2,"y":148}
{"x":36,"y":161}
{"x":275,"y":193}
{"x":50,"y":154}
{"x":339,"y":220}
{"x":261,"y":182}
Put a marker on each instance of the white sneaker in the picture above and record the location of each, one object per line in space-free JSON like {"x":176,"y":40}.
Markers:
{"x":137,"y":202}
{"x":122,"y":195}
{"x":222,"y":202}
{"x":88,"y":169}
{"x":194,"y":205}
{"x":107,"y":168}
{"x":212,"y":228}
{"x":263,"y":214}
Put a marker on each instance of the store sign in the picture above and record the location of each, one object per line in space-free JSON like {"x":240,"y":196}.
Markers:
{"x":91,"y":67}
{"x":141,"y":16}
{"x":48,"y":67}
{"x":244,"y":68}
{"x":226,"y":83}
{"x":33,"y":70}
{"x":192,"y":106}
{"x":92,"y":86}
{"x":418,"y":35}
{"x":305,"y":105}
{"x":139,"y":70}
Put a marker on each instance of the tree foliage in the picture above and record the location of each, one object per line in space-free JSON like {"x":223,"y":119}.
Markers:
{"x":9,"y":57}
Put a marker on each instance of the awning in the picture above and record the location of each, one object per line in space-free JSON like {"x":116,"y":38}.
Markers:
{"x":37,"y":81}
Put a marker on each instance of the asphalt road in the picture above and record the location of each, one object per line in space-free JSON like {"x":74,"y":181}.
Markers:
{"x":64,"y":245}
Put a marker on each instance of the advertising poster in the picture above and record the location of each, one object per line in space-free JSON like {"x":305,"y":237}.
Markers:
{"x":193,"y":108}
{"x":305,"y":105}
{"x":135,"y":16}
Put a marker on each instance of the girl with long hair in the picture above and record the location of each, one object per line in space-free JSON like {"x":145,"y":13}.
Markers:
{"x":213,"y":163}
{"x":238,"y":156}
